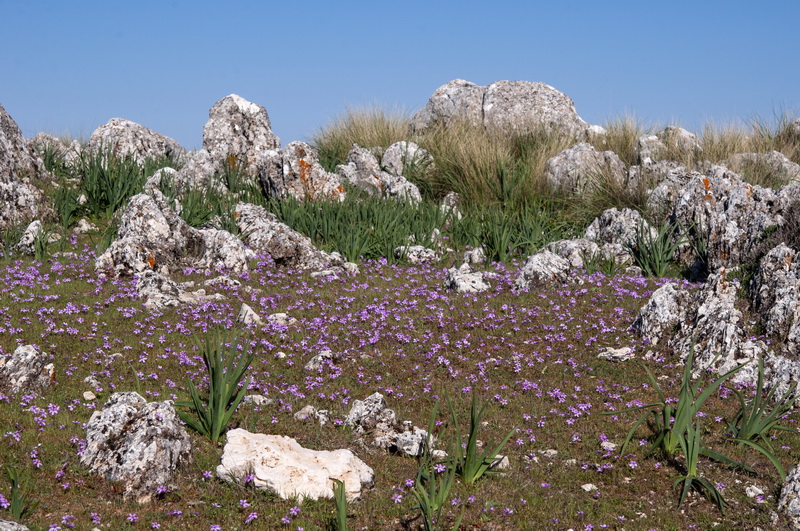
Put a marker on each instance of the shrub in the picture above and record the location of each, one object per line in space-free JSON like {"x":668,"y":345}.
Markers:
{"x":108,"y":181}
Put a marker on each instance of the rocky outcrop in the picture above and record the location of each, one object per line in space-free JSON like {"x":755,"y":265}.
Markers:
{"x":417,"y":254}
{"x":295,"y":171}
{"x":789,"y":501}
{"x":728,"y":214}
{"x":542,"y":267}
{"x":126,"y":138}
{"x":464,"y":280}
{"x":152,"y":236}
{"x":238,"y":128}
{"x":21,"y":200}
{"x":402,"y":157}
{"x":237,"y":134}
{"x":776,"y":295}
{"x":137,"y":443}
{"x":158,"y":291}
{"x":616,"y":226}
{"x":69,"y":153}
{"x":27,"y":371}
{"x":287,"y":247}
{"x":511,"y":106}
{"x":582,"y":167}
{"x":705,"y":321}
{"x":7,"y":525}
{"x":363,"y":171}
{"x":373,"y":417}
{"x":279,"y":464}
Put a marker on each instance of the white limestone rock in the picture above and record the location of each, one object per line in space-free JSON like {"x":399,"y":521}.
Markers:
{"x":127,"y":138}
{"x":27,"y":371}
{"x":280,"y":465}
{"x":579,"y":168}
{"x":542,"y":267}
{"x":248,"y":316}
{"x":137,"y":443}
{"x":464,"y":280}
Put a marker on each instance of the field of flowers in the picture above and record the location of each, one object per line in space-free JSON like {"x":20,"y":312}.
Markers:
{"x":393,"y":329}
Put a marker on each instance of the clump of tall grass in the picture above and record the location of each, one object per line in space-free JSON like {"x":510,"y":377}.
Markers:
{"x":622,"y":137}
{"x":487,"y":168}
{"x":367,"y":127}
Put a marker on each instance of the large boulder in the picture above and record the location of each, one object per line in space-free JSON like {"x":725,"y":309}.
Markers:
{"x":279,"y":464}
{"x":21,"y":200}
{"x":125,"y":138}
{"x":542,"y":267}
{"x":237,"y":134}
{"x":464,"y":280}
{"x":511,"y":106}
{"x":617,"y":226}
{"x":287,"y":247}
{"x":776,"y":295}
{"x":152,"y":236}
{"x":27,"y":371}
{"x":136,"y":442}
{"x":728,"y":214}
{"x":158,"y":291}
{"x":363,"y":171}
{"x":402,"y":157}
{"x":295,"y":171}
{"x":238,"y":128}
{"x":705,"y":321}
{"x":580,"y":168}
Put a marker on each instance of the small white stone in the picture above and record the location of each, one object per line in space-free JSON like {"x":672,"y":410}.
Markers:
{"x":608,"y":446}
{"x":88,"y":395}
{"x":589,"y":487}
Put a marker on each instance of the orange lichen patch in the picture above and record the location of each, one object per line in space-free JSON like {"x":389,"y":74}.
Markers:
{"x":151,"y":260}
{"x":707,"y":197}
{"x":233,"y":161}
{"x":339,"y":189}
{"x":707,"y":183}
{"x":749,"y":189}
{"x":788,"y":259}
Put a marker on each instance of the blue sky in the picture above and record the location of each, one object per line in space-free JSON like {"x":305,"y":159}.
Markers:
{"x":68,"y":67}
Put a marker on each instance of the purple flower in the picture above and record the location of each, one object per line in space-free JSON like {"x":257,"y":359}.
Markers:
{"x":132,"y":517}
{"x":397,"y":498}
{"x":250,"y":518}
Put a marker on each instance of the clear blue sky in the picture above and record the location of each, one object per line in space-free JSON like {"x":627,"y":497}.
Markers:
{"x":67,"y":67}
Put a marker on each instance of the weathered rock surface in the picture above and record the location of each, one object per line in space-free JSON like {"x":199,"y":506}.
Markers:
{"x":125,"y":138}
{"x":789,"y":501}
{"x":7,"y":525}
{"x":248,"y":316}
{"x":295,"y":171}
{"x":280,"y":465}
{"x":682,"y":140}
{"x":372,"y":416}
{"x":578,"y":169}
{"x":705,"y":321}
{"x":325,"y":357}
{"x":40,"y":141}
{"x":575,"y":251}
{"x":728,"y":213}
{"x":158,"y":291}
{"x":238,"y":128}
{"x":776,"y":295}
{"x":27,"y":371}
{"x":417,"y":254}
{"x":152,"y":236}
{"x":464,"y":280}
{"x":406,"y":156}
{"x":363,"y":171}
{"x":21,"y":200}
{"x":287,"y":247}
{"x":26,"y":244}
{"x":137,"y":443}
{"x":542,"y":267}
{"x":616,"y":226}
{"x":514,"y":106}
